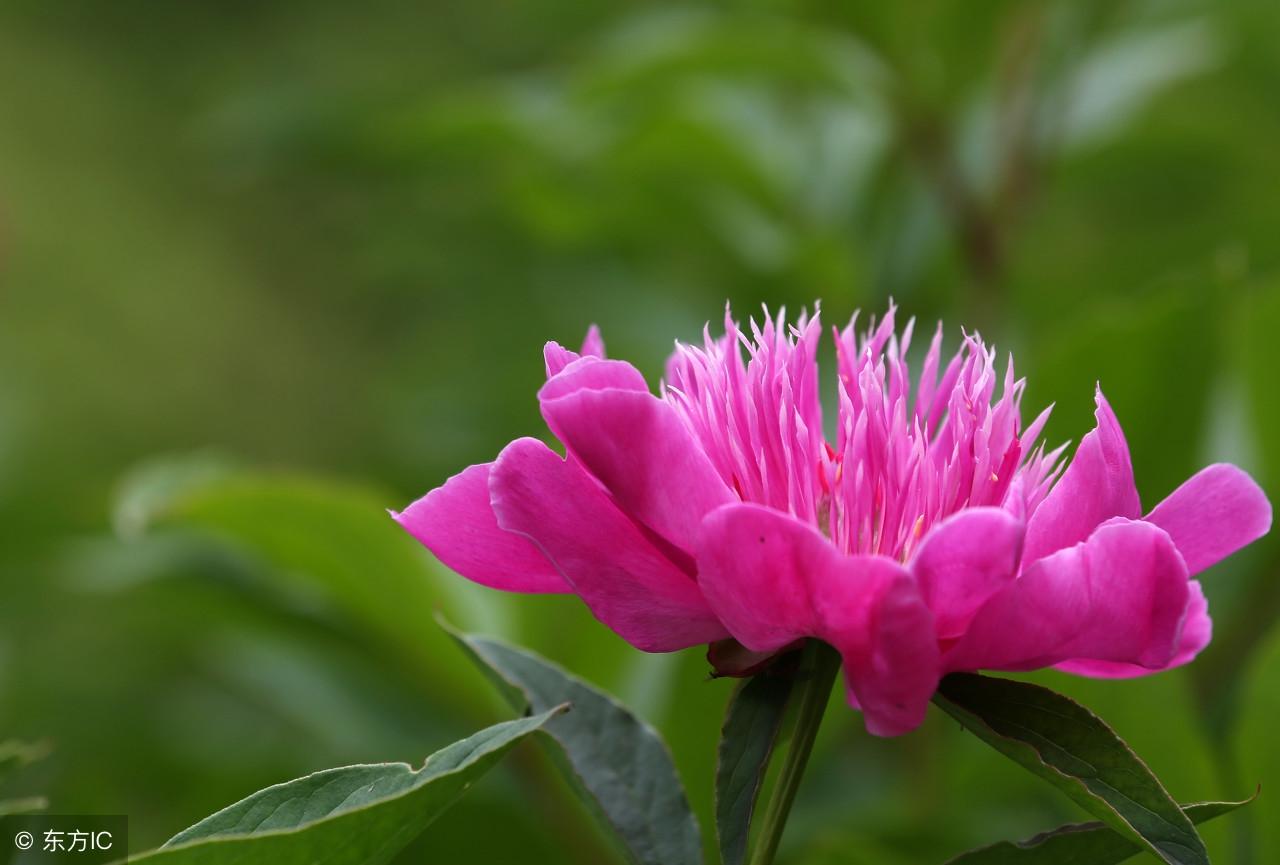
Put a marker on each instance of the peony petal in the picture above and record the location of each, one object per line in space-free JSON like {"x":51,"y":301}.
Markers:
{"x":1097,"y":485}
{"x":773,"y":579}
{"x":642,"y":453}
{"x":456,"y":523}
{"x":1120,"y":596}
{"x":1197,"y":631}
{"x":965,"y":560}
{"x":894,"y":678}
{"x":763,"y":571}
{"x":1215,"y":512}
{"x":593,"y":343}
{"x":625,"y":581}
{"x":1197,"y":627}
{"x":557,"y":357}
{"x":592,"y":373}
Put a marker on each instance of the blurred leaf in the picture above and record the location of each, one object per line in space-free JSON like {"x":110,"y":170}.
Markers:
{"x":751,"y":726}
{"x":356,"y":815}
{"x":620,"y":765}
{"x":1257,"y":748}
{"x":1252,"y":333}
{"x":1077,"y":352}
{"x":1094,"y":843}
{"x":1120,"y":76}
{"x":152,"y":488}
{"x":14,"y":755}
{"x":1069,"y":747}
{"x":1245,"y":636}
{"x":330,"y":543}
{"x":10,"y":807}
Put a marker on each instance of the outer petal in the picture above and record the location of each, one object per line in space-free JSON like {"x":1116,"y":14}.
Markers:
{"x":891,"y":667}
{"x":640,"y":450}
{"x":593,"y":373}
{"x":1215,"y":512}
{"x":963,"y":561}
{"x":773,"y":579}
{"x":456,"y":523}
{"x":1197,"y":627}
{"x":1097,"y":485}
{"x":1197,"y":631}
{"x":628,"y":584}
{"x":763,"y":572}
{"x":557,"y":357}
{"x":593,"y":343}
{"x":1120,"y":596}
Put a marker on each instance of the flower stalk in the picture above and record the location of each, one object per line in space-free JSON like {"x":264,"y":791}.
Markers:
{"x":818,"y":667}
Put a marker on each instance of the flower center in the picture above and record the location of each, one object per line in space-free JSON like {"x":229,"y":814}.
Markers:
{"x":905,"y":456}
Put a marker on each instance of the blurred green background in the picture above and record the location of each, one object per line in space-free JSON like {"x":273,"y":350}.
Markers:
{"x":269,"y":268}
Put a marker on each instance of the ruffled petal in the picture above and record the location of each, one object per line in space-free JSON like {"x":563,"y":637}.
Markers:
{"x":965,"y":560}
{"x":557,"y":357}
{"x":1121,"y":596}
{"x":891,"y":660}
{"x":1197,"y":627}
{"x":636,"y":446}
{"x":765,"y":574}
{"x":593,"y":343}
{"x":1097,"y":485}
{"x":773,"y":579}
{"x":625,"y":581}
{"x":1215,"y":512}
{"x":593,"y":373}
{"x":1197,"y":631}
{"x":456,"y":523}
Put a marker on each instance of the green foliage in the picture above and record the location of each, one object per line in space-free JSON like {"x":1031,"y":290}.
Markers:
{"x":752,"y":723}
{"x":14,"y":755}
{"x":329,"y":241}
{"x":333,"y":544}
{"x":1180,"y":749}
{"x":1094,"y":843}
{"x":619,"y":764}
{"x":356,"y":815}
{"x":1069,"y":747}
{"x":1256,"y":755}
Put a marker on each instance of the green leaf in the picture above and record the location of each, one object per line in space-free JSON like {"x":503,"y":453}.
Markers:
{"x":751,"y":727}
{"x":1071,"y":748}
{"x":29,"y":805}
{"x":1094,"y":843}
{"x":326,"y":545}
{"x":1255,"y":744}
{"x":14,"y":755}
{"x":618,"y":763}
{"x":355,"y":815}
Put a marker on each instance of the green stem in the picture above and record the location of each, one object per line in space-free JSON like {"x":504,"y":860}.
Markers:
{"x":818,"y":668}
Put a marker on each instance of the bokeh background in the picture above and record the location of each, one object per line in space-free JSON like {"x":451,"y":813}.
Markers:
{"x":267,"y":269}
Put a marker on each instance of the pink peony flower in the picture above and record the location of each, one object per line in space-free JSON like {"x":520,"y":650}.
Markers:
{"x":933,"y":536}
